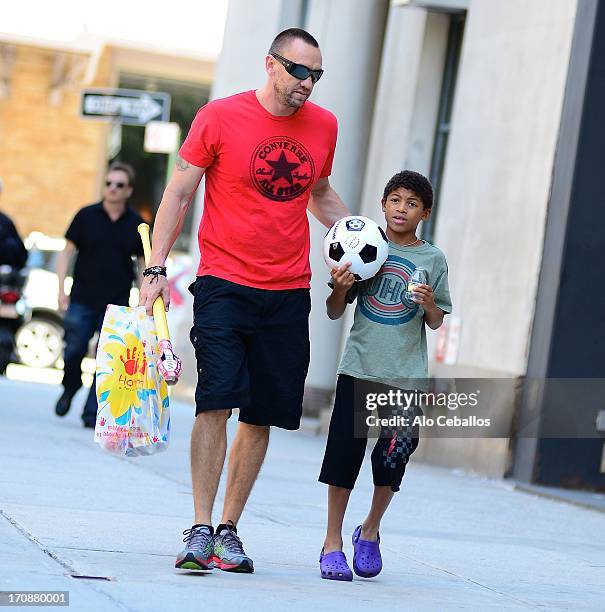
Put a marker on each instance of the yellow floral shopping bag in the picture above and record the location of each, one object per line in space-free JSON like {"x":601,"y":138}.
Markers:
{"x":133,"y":415}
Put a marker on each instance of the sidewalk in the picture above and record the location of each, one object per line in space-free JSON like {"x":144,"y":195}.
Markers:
{"x":450,"y":541}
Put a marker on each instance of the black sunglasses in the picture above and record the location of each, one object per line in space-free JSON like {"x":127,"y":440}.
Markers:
{"x":118,"y":184}
{"x":298,"y":71}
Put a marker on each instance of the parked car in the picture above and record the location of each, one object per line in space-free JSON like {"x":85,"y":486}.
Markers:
{"x":13,"y":310}
{"x":39,"y":341}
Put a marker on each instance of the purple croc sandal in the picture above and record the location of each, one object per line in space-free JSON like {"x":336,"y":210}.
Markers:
{"x":334,"y":566}
{"x":367,"y":561}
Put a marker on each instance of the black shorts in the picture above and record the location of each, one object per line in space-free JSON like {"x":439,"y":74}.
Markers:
{"x":252,"y":350}
{"x":346,"y":447}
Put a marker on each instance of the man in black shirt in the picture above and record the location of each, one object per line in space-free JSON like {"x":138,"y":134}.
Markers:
{"x":12,"y":250}
{"x":105,"y":237}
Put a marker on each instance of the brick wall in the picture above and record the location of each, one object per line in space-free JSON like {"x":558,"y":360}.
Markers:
{"x":51,"y":160}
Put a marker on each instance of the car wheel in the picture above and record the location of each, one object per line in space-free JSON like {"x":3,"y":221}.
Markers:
{"x":39,"y":343}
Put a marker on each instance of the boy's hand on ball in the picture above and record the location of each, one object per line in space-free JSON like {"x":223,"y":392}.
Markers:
{"x":343,"y":279}
{"x":423,"y":295}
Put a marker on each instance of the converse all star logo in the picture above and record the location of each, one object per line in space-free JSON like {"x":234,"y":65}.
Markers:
{"x":281,"y":168}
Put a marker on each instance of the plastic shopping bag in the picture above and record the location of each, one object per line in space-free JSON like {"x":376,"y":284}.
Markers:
{"x":133,"y":415}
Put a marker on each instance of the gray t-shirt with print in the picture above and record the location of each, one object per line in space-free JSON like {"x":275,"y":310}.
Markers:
{"x":387,"y":342}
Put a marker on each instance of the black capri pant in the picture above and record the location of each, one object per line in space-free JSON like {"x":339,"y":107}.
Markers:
{"x":345,"y":451}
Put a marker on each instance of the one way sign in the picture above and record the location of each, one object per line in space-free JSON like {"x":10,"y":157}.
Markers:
{"x":127,"y":106}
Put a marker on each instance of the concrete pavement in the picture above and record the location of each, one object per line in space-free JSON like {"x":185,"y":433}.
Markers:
{"x":450,"y":540}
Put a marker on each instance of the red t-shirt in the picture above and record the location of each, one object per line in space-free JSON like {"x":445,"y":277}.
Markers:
{"x":260,"y":170}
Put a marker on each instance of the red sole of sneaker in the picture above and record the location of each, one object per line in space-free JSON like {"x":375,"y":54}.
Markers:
{"x":243,"y":568}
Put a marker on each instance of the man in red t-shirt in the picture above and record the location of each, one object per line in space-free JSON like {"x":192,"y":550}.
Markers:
{"x":266,"y":156}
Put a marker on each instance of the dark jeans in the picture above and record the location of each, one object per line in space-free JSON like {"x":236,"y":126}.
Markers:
{"x":80,"y":323}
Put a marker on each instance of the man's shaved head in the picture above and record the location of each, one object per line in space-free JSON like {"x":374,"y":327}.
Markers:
{"x":287,"y":36}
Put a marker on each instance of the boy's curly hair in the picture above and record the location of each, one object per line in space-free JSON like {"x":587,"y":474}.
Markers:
{"x":414,"y":181}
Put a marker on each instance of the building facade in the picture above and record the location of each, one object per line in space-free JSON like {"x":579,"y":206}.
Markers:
{"x":472,"y":93}
{"x":53,"y":161}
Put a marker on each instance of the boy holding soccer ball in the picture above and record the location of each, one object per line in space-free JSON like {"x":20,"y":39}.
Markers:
{"x":387,"y":345}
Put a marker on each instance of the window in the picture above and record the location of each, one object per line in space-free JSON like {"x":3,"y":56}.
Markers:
{"x":442,"y":131}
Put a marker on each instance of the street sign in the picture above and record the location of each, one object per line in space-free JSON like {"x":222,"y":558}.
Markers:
{"x":161,"y":137}
{"x":126,"y":106}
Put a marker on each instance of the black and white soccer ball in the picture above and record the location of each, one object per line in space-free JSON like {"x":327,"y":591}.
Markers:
{"x":358,"y":240}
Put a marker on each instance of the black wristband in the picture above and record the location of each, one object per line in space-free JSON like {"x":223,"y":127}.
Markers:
{"x":155,"y":271}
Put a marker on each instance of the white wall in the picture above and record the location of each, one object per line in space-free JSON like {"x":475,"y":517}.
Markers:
{"x":498,"y":171}
{"x":394,"y":107}
{"x":350,"y":34}
{"x":249,"y":30}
